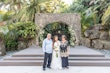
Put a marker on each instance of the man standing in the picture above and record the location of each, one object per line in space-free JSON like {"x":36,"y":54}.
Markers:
{"x":47,"y":49}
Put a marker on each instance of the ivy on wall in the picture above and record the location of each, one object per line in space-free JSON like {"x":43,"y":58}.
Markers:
{"x":57,"y":29}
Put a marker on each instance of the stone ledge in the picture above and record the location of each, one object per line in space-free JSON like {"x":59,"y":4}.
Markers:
{"x":97,"y":43}
{"x":106,"y":44}
{"x":101,"y":44}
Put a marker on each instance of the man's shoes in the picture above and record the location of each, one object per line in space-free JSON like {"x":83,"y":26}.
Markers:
{"x":44,"y":69}
{"x":49,"y":67}
{"x":67,"y":67}
{"x":63,"y":67}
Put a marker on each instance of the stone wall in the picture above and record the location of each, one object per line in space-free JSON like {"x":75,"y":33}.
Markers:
{"x":96,"y":37}
{"x":72,"y":20}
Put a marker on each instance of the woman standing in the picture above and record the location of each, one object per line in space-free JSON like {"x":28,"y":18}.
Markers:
{"x":56,"y":58}
{"x":64,"y":48}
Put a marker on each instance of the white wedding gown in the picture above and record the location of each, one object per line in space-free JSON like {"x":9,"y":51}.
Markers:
{"x":56,"y":60}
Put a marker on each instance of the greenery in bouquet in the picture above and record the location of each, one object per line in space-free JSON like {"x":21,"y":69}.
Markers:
{"x":56,"y":50}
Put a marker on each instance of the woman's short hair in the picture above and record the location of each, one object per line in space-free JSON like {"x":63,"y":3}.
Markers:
{"x":63,"y":36}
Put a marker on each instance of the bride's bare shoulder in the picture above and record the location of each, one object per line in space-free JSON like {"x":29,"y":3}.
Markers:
{"x":59,"y":41}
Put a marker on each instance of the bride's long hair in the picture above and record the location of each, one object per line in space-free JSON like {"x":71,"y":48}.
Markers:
{"x":54,"y":40}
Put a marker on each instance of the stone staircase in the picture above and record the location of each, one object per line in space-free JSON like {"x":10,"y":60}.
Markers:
{"x":79,"y":56}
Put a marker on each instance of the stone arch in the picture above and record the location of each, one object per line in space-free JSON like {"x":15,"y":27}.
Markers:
{"x":72,"y":20}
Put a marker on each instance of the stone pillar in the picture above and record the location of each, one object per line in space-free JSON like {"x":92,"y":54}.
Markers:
{"x":37,"y":41}
{"x":2,"y":47}
{"x":40,"y":33}
{"x":77,"y":42}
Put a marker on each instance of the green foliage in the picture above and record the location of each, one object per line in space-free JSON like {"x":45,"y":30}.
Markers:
{"x":8,"y":37}
{"x":13,"y":32}
{"x":11,"y":45}
{"x":54,"y":29}
{"x":78,"y":6}
{"x":57,"y":29}
{"x":22,"y":11}
{"x":106,"y":17}
{"x":72,"y":36}
{"x":5,"y":16}
{"x":26,"y":30}
{"x":56,"y":6}
{"x":1,"y":36}
{"x":91,"y":11}
{"x":30,"y":8}
{"x":4,"y":29}
{"x":89,"y":18}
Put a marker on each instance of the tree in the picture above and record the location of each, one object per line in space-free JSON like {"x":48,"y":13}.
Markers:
{"x":39,"y":6}
{"x":56,"y":6}
{"x":91,"y":11}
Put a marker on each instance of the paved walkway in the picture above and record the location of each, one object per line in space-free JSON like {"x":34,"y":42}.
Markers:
{"x":79,"y":56}
{"x":89,"y":54}
{"x":38,"y":69}
{"x":78,"y":50}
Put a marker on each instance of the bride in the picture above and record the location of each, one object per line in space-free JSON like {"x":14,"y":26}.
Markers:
{"x":56,"y":58}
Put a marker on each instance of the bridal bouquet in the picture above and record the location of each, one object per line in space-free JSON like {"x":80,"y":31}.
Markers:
{"x":56,"y":50}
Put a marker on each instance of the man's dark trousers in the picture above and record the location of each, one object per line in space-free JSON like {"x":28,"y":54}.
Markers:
{"x":47,"y":57}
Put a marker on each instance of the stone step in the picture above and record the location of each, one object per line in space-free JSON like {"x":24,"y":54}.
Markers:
{"x":20,"y":63}
{"x":40,"y":62}
{"x":70,"y":58}
{"x":90,"y":63}
{"x":41,"y":55}
{"x":79,"y":56}
{"x":29,"y":55}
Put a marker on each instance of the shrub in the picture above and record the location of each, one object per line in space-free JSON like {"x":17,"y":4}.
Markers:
{"x":26,"y":30}
{"x":13,"y":33}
